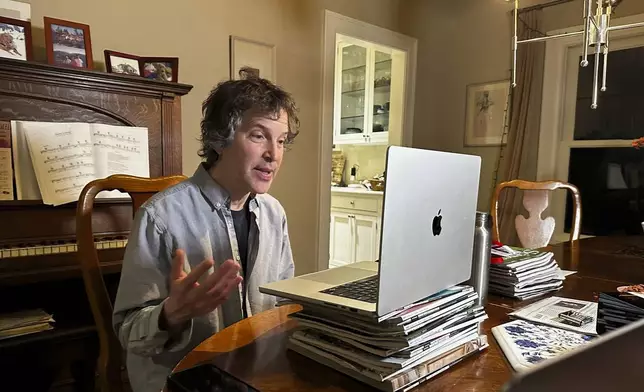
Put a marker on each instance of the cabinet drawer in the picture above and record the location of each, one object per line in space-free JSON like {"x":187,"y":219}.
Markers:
{"x":371,"y":204}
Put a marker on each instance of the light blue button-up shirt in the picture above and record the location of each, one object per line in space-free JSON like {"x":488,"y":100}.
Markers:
{"x":194,"y":216}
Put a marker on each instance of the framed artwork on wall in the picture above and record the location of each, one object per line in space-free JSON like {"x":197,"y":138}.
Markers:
{"x":68,"y":43}
{"x":251,"y":58}
{"x":485,"y":108}
{"x":15,"y":39}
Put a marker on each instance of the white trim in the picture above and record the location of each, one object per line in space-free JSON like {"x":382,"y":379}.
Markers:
{"x":555,"y":130}
{"x":339,"y":24}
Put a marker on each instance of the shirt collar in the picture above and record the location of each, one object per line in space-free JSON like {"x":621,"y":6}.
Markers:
{"x":215,"y":193}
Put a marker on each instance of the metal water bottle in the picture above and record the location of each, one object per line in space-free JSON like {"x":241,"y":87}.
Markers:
{"x":481,"y":255}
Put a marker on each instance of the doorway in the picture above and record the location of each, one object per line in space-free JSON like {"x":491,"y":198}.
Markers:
{"x":368,"y":92}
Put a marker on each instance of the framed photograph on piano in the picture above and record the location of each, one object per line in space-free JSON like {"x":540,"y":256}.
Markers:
{"x":15,"y":39}
{"x":68,"y":43}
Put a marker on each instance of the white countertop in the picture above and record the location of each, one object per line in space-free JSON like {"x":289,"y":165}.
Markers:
{"x":362,"y":191}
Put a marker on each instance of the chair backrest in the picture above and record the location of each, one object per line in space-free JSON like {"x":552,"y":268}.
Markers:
{"x":535,"y":232}
{"x":140,"y":189}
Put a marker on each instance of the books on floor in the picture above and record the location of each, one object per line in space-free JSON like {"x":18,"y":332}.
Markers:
{"x":399,"y":350}
{"x":24,"y":322}
{"x":523,"y":273}
{"x":620,"y":308}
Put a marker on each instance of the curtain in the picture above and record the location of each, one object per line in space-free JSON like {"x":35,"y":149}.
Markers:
{"x":519,"y":160}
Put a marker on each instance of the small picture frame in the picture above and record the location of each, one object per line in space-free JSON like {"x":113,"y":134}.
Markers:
{"x":122,"y":63}
{"x":164,"y":69}
{"x":68,"y":43}
{"x":251,"y":58}
{"x":485,"y":112}
{"x":15,"y":39}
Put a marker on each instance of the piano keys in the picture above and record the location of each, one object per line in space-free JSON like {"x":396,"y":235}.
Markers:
{"x":56,"y":247}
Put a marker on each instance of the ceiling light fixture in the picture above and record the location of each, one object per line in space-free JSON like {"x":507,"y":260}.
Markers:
{"x":595,"y":34}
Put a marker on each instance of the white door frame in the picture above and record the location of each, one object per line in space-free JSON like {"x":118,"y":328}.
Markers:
{"x":555,"y":104}
{"x":335,"y":23}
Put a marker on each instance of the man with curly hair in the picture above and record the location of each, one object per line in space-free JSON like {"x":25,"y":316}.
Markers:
{"x":198,"y":251}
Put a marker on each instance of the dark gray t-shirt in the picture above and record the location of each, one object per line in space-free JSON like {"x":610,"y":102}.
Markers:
{"x":241,"y":219}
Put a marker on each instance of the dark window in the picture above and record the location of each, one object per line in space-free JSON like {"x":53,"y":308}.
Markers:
{"x":611,"y":180}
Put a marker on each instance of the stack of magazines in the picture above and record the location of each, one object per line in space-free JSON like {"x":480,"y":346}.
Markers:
{"x":620,"y":308}
{"x":399,"y":350}
{"x":523,"y":273}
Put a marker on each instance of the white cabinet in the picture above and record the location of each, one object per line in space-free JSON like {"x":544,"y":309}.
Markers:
{"x":342,"y":239}
{"x":366,"y":239}
{"x":368,"y":93}
{"x":355,"y":228}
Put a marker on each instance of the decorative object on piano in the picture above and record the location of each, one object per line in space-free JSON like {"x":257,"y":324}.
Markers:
{"x":54,"y":161}
{"x":251,"y":58}
{"x":165,"y":69}
{"x":15,"y":10}
{"x":485,"y":113}
{"x":15,"y":39}
{"x":122,"y":63}
{"x":68,"y":43}
{"x":6,"y":165}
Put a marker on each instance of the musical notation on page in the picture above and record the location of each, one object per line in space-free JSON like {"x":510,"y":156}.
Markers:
{"x":120,"y":150}
{"x":59,"y":142}
{"x":66,"y":156}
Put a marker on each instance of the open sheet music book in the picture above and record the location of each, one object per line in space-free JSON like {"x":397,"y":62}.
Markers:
{"x":54,"y":161}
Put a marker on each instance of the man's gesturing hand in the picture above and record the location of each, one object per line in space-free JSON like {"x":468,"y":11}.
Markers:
{"x":188,"y":298}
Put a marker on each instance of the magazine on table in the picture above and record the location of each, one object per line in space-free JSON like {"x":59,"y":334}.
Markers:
{"x":366,"y":372}
{"x":342,"y":348}
{"x":407,"y":327}
{"x":548,"y":310}
{"x":434,"y":330}
{"x":524,"y":259}
{"x":526,"y":344}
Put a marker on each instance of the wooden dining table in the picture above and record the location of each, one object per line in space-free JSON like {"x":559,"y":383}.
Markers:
{"x":254,"y":350}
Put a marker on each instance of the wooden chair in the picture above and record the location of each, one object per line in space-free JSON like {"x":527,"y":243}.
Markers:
{"x":535,"y":232}
{"x":140,"y":189}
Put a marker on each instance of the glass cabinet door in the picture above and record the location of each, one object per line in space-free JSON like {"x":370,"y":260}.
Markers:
{"x":381,"y":93}
{"x":353,"y":90}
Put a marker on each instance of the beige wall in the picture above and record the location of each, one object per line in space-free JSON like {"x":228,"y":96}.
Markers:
{"x":197,"y":32}
{"x":461,"y":42}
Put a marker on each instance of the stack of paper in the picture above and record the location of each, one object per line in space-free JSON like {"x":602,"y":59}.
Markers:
{"x":620,"y":308}
{"x":523,"y":273}
{"x":399,"y":350}
{"x":24,"y":322}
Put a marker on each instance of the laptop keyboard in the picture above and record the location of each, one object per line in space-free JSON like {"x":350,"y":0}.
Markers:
{"x":362,"y":290}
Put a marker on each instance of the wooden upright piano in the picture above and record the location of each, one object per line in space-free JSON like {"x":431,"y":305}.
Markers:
{"x":38,"y":261}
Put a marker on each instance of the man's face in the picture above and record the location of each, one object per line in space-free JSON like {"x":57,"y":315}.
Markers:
{"x":255,"y":155}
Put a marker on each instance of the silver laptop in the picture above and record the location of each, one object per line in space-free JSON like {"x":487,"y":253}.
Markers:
{"x":613,"y":362}
{"x":426,"y":240}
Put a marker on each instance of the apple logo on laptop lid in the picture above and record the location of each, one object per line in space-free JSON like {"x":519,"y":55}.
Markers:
{"x":436,"y":224}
